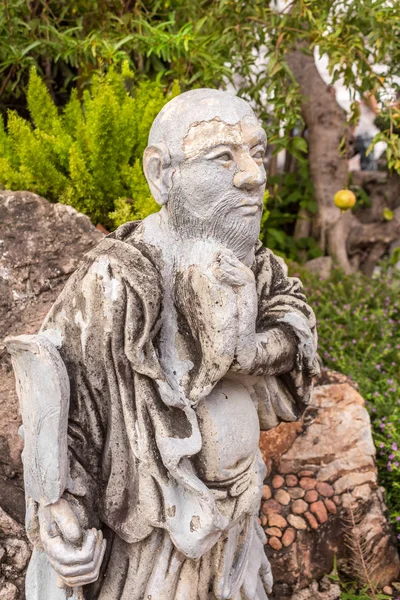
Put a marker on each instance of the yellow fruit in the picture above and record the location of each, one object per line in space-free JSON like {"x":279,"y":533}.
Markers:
{"x":344,"y":199}
{"x":388,"y":214}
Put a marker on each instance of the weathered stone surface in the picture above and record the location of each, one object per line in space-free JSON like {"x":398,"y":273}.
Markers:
{"x":306,"y":473}
{"x":312,"y":521}
{"x":322,"y":590}
{"x":275,"y":520}
{"x":291,"y":480}
{"x":277,"y":481}
{"x":8,"y":591}
{"x":275,"y":543}
{"x":307,"y":483}
{"x":297,"y":522}
{"x":330,"y":506}
{"x":325,"y":489}
{"x":263,"y":520}
{"x":271,"y":506}
{"x":8,"y":526}
{"x":41,"y":245}
{"x":352,"y":480}
{"x":282,"y":497}
{"x":334,"y":455}
{"x":150,"y":332}
{"x":274,"y":531}
{"x":311,"y":496}
{"x":321,"y":266}
{"x":296,"y":493}
{"x":18,"y":553}
{"x":289,"y":537}
{"x":299,"y":507}
{"x":266,"y":492}
{"x":319,"y":510}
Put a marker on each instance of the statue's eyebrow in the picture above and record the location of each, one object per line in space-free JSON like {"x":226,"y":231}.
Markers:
{"x":258,"y":138}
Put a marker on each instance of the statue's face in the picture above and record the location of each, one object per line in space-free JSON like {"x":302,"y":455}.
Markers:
{"x":218,"y":188}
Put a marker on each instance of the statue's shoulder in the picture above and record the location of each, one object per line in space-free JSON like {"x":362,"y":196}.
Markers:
{"x":125,"y":251}
{"x":265,"y":259}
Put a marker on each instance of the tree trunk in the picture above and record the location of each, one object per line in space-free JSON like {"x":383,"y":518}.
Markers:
{"x":326,"y":127}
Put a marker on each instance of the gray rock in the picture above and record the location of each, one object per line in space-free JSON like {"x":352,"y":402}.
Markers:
{"x":321,"y":266}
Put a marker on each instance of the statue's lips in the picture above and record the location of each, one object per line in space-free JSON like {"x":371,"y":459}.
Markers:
{"x":249,"y":208}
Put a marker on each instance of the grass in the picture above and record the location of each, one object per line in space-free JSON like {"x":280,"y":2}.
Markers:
{"x":359,"y":335}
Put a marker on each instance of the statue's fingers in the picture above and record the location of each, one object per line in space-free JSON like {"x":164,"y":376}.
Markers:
{"x":64,"y":553}
{"x":229,"y":276}
{"x":84,"y":568}
{"x":89,"y":577}
{"x":67,"y":521}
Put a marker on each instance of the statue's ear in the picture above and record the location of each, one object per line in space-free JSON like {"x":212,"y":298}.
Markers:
{"x":158,"y":171}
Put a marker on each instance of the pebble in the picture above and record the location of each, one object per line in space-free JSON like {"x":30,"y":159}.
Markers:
{"x":331,"y":506}
{"x":319,"y":510}
{"x":275,"y":520}
{"x":337,"y":500}
{"x":274,"y":531}
{"x":282,"y":497}
{"x":299,"y":507}
{"x":311,"y":496}
{"x":291,"y":480}
{"x":271,"y":506}
{"x":288,"y":537}
{"x":307,"y":483}
{"x":297,"y":522}
{"x":263,"y":520}
{"x":388,"y":590}
{"x":275,"y":543}
{"x":312,"y":521}
{"x":306,"y":473}
{"x":277,"y":481}
{"x":267,"y":494}
{"x":296,"y":493}
{"x":325,"y":489}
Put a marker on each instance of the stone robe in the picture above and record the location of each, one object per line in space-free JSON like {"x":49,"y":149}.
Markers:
{"x":132,"y":439}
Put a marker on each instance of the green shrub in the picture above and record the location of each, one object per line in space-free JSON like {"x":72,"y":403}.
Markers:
{"x":89,"y":155}
{"x":288,"y":194}
{"x":359,"y":335}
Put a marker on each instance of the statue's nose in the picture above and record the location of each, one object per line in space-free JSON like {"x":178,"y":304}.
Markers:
{"x":250,"y":175}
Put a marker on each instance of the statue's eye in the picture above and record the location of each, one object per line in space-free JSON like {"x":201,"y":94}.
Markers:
{"x":225,"y":157}
{"x":259,"y":155}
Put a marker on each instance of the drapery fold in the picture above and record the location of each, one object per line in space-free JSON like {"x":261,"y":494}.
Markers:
{"x":129,"y":445}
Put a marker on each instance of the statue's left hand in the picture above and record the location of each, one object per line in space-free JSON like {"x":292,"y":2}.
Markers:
{"x":75,"y":554}
{"x":233,"y":272}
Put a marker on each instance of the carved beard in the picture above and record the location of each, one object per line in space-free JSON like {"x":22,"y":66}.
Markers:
{"x":236,"y":232}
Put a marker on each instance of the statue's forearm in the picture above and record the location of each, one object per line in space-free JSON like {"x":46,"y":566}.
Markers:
{"x":275,"y":352}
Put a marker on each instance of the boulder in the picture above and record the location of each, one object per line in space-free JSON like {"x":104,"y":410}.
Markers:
{"x":332,"y":455}
{"x":321,"y":266}
{"x":41,"y":245}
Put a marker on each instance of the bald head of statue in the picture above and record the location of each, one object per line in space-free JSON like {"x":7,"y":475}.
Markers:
{"x":205,"y":162}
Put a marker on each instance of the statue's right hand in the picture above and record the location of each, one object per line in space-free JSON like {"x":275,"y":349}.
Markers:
{"x":75,"y":554}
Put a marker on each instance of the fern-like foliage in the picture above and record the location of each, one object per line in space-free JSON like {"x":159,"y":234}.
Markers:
{"x":89,"y":154}
{"x":361,"y":553}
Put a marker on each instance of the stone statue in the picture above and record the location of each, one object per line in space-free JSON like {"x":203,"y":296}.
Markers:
{"x":143,"y":395}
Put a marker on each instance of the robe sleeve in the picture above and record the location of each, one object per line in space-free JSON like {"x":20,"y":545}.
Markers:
{"x":104,"y":321}
{"x":283,"y":311}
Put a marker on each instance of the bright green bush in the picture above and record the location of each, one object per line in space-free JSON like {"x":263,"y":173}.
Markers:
{"x":88,"y":155}
{"x":359,"y":335}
